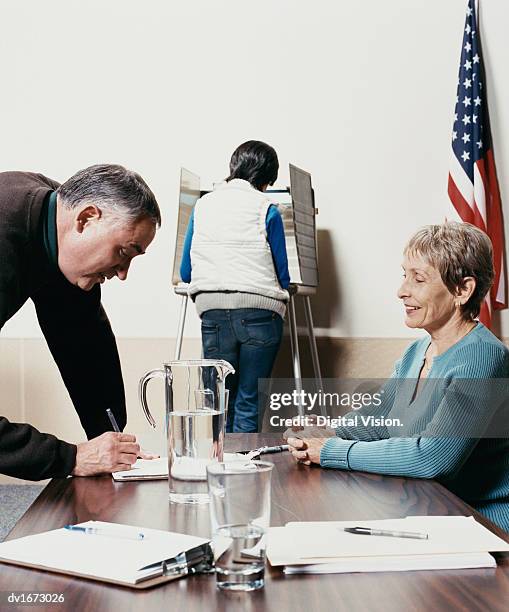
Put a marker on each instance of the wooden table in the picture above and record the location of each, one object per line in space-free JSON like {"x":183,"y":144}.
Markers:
{"x":299,"y":493}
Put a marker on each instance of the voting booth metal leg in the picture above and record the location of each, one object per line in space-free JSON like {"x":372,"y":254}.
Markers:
{"x":312,"y":345}
{"x":182,"y":322}
{"x":312,"y":342}
{"x":294,"y":341}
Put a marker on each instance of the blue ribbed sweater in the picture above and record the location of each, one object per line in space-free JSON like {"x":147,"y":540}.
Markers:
{"x":434,"y":441}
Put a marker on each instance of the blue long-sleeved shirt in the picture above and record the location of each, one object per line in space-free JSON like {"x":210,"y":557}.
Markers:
{"x":275,"y":238}
{"x":443,"y":433}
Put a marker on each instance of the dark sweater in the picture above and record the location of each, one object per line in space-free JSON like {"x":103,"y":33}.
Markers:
{"x":73,"y":322}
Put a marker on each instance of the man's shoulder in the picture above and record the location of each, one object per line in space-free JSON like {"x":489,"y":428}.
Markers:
{"x":18,"y":189}
{"x":21,"y":198}
{"x":16,"y":180}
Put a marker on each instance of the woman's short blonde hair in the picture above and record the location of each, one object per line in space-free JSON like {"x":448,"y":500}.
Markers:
{"x":457,"y":250}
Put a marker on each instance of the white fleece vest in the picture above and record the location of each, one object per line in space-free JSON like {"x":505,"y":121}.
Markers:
{"x":229,"y":251}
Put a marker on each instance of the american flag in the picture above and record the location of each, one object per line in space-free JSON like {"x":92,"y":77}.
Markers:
{"x":473,"y":187}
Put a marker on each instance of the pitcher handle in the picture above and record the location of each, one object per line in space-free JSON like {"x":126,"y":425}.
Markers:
{"x":142,"y":391}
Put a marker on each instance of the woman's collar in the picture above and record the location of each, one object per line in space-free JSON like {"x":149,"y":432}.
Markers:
{"x":237,"y":184}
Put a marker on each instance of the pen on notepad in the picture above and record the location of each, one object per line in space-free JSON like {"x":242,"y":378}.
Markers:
{"x":385,"y":532}
{"x":105,"y":532}
{"x":113,"y":420}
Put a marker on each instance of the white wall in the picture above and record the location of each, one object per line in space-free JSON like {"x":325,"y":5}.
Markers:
{"x":359,"y":93}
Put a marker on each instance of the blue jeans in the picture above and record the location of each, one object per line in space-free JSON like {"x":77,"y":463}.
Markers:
{"x":249,"y":339}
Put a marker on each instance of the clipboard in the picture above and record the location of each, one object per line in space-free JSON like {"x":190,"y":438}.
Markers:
{"x":78,"y":555}
{"x":142,"y":584}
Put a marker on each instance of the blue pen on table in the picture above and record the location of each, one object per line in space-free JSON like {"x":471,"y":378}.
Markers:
{"x":106,"y":532}
{"x":113,"y":420}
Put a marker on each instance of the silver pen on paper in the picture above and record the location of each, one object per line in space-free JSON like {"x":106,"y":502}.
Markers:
{"x":266,"y":450}
{"x":110,"y":533}
{"x":113,"y":420}
{"x":414,"y":535}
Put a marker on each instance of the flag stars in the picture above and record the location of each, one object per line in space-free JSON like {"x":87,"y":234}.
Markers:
{"x":454,"y":136}
{"x":476,"y":58}
{"x":477,"y":101}
{"x":468,"y":29}
{"x":465,"y":156}
{"x":466,"y":119}
{"x":467,"y":47}
{"x":479,"y":144}
{"x":465,"y":138}
{"x":469,"y":11}
{"x":474,"y":118}
{"x":467,"y":65}
{"x":474,"y":76}
{"x":466,"y":101}
{"x":467,"y":83}
{"x":455,"y":117}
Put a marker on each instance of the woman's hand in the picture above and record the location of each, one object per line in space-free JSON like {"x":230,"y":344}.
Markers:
{"x":306,"y":450}
{"x":311,"y":431}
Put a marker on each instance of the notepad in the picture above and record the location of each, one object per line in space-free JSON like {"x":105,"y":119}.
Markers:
{"x":157,"y":469}
{"x":453,"y":542}
{"x":116,"y":559}
{"x":145,"y":469}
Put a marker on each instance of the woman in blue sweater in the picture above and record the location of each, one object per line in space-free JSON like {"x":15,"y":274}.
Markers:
{"x":451,"y":426}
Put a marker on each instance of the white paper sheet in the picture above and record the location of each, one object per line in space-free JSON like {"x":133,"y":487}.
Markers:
{"x":309,"y":543}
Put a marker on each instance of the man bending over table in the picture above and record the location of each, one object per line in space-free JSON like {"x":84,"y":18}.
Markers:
{"x":58,"y":244}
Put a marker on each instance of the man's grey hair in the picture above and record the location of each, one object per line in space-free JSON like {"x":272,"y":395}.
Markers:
{"x":113,"y":189}
{"x":457,"y":250}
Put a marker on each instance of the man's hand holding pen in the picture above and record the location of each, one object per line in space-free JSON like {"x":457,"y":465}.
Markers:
{"x":109,"y":452}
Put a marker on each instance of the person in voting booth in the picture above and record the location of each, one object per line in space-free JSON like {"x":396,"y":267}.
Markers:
{"x":236,"y":263}
{"x":58,"y":244}
{"x":451,"y":425}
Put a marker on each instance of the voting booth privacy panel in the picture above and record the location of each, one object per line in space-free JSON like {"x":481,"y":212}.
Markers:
{"x":297,"y":207}
{"x":300,"y":229}
{"x":188,"y":196}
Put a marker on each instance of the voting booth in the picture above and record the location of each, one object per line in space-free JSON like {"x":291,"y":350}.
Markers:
{"x":297,"y":207}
